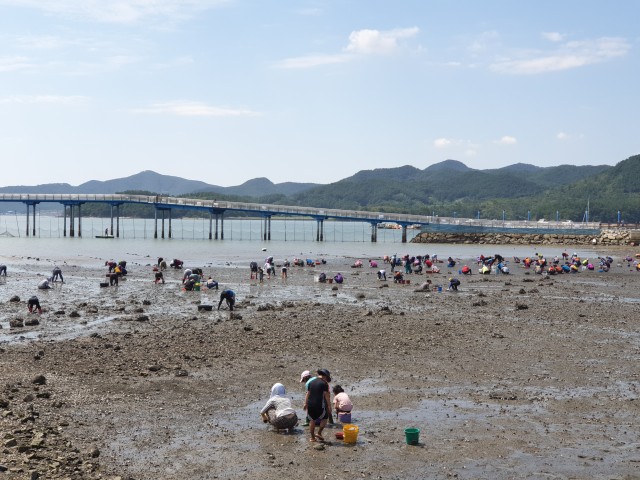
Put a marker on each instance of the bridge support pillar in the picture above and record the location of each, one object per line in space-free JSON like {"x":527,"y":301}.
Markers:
{"x":268,"y":229}
{"x":320,"y":230}
{"x":64,"y":220}
{"x":117,"y":222}
{"x":217,"y":218}
{"x":404,"y":234}
{"x":222,"y":226}
{"x":162,"y":229}
{"x":169,"y":223}
{"x":29,"y":213}
{"x":374,"y":232}
{"x":266,"y":233}
{"x":33,"y":227}
{"x":79,"y":222}
{"x":155,"y":223}
{"x":72,"y":221}
{"x":111,"y":231}
{"x":210,"y":225}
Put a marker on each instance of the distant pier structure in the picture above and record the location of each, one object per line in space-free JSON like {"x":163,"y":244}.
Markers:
{"x":216,"y":210}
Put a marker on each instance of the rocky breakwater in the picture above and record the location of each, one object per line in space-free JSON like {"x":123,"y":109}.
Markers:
{"x":619,"y":236}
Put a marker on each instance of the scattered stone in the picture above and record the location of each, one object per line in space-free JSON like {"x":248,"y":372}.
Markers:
{"x":142,"y":318}
{"x":16,"y":323}
{"x":31,"y":322}
{"x":74,"y":314}
{"x":15,"y":298}
{"x":154,"y":368}
{"x":146,"y":302}
{"x":503,"y":396}
{"x":59,"y":312}
{"x":522,"y":291}
{"x":39,"y":380}
{"x":181,"y":373}
{"x":521,"y":306}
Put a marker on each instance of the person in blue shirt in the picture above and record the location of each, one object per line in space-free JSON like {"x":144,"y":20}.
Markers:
{"x":229,"y":296}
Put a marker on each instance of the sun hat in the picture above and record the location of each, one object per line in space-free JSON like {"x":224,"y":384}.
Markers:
{"x":304,"y":375}
{"x":325,"y":373}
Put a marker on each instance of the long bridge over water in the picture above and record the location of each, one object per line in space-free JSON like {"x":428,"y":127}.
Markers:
{"x":164,"y":206}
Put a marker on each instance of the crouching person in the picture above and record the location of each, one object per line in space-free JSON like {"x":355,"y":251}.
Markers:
{"x":278,"y":411}
{"x":229,"y":296}
{"x":34,"y":305}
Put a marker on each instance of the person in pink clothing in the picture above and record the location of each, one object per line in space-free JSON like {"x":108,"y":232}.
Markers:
{"x":341,"y":401}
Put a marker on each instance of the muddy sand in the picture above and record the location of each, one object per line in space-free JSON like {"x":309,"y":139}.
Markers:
{"x":517,"y":376}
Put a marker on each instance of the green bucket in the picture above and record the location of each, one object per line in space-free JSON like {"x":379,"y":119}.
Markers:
{"x":412,"y":435}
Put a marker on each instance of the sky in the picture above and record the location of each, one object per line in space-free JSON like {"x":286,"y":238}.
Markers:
{"x":224,"y":91}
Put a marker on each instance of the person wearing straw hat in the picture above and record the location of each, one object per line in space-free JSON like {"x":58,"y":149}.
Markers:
{"x":317,"y":403}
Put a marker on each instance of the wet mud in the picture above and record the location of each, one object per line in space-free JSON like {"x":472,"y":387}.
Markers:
{"x":514,"y":376}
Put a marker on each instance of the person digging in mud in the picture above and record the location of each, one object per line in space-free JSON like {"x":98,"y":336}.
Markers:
{"x":33,"y":304}
{"x":159,"y":277}
{"x":229,"y":296}
{"x":454,"y":283}
{"x":113,"y":279}
{"x":425,"y":287}
{"x":44,"y":284}
{"x":211,"y":283}
{"x":57,"y":272}
{"x":3,"y":270}
{"x":277,"y":411}
{"x":317,"y":403}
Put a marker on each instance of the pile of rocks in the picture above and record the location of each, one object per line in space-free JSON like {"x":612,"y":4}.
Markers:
{"x":606,"y":237}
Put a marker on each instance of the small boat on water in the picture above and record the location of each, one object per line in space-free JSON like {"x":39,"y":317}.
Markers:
{"x":105,"y":236}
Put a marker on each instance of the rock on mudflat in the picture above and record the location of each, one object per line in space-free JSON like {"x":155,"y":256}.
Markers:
{"x":16,"y":323}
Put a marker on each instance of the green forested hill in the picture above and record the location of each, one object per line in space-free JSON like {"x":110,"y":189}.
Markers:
{"x":521,"y":191}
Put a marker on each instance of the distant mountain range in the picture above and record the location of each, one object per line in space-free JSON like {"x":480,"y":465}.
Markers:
{"x":447,"y":188}
{"x":164,"y":184}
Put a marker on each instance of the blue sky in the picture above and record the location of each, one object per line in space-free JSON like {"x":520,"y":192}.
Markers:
{"x":228,"y":90}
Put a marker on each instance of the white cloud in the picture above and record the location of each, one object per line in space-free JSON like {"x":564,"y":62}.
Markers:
{"x":569,"y":55}
{"x":441,"y":142}
{"x":470,"y":152}
{"x":378,"y":42}
{"x":361,"y":42}
{"x":118,"y":11}
{"x":562,"y":136}
{"x":506,"y":140}
{"x":311,"y":61}
{"x":194,"y":109}
{"x":552,"y":36}
{"x":14,"y":64}
{"x":46,"y":99}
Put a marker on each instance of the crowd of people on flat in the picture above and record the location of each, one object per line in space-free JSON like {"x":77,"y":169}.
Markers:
{"x":193,"y":279}
{"x":319,"y":408}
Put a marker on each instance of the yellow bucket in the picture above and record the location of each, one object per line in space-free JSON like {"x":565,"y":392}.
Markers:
{"x":350,"y":433}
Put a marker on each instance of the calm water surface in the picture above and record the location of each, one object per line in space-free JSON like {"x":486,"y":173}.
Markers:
{"x":242,"y":243}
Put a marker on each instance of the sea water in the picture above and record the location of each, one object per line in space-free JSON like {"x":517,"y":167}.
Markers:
{"x":243,"y":241}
